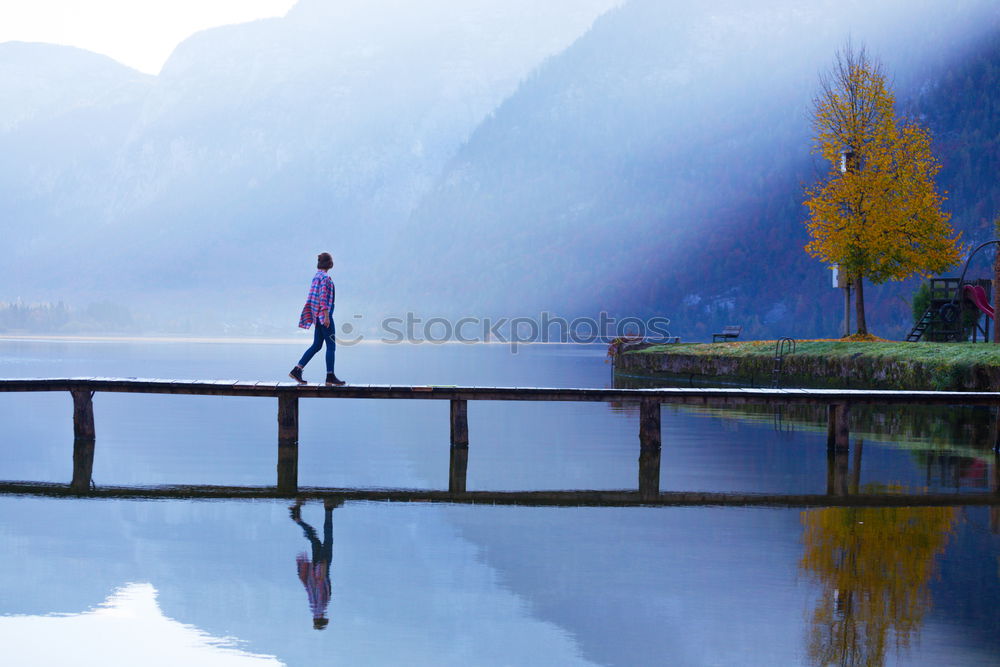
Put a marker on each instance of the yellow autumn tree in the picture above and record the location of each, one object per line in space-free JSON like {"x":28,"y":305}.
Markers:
{"x":876,"y":211}
{"x":874,"y":566}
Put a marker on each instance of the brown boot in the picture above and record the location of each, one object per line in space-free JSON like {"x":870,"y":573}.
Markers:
{"x":333,"y":380}
{"x":296,"y":374}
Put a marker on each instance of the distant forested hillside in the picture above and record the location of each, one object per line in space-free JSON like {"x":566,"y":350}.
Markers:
{"x":961,"y":105}
{"x":657,"y":166}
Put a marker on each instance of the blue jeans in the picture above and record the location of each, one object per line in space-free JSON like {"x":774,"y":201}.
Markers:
{"x":322,"y":335}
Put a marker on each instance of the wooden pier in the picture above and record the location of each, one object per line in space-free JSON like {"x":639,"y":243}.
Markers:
{"x":839,"y":402}
{"x":562,"y":498}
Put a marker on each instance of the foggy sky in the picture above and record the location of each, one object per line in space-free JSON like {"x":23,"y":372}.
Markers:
{"x":457,"y":157}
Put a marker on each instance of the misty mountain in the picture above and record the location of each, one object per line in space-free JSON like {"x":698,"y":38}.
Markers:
{"x":656,"y":167}
{"x":472,"y":158}
{"x":63,"y":113}
{"x":260,"y":144}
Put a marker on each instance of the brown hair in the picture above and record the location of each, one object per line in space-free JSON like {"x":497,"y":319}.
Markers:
{"x":324,"y":261}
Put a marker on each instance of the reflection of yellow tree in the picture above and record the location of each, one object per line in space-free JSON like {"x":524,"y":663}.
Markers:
{"x":874,"y":565}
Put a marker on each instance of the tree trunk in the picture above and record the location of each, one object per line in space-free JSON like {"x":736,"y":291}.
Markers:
{"x":859,"y":303}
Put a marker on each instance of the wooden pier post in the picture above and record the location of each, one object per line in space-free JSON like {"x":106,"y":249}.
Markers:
{"x":837,"y":471}
{"x":649,"y":424}
{"x":83,"y":464}
{"x":649,"y":472}
{"x":995,"y":474}
{"x":459,"y":422}
{"x":83,"y":440}
{"x":457,"y":468}
{"x":838,"y":432}
{"x":83,"y":413}
{"x":838,"y":448}
{"x":859,"y":446}
{"x":288,"y":443}
{"x":459,"y":462}
{"x":831,"y":427}
{"x":649,"y":448}
{"x":996,"y":433}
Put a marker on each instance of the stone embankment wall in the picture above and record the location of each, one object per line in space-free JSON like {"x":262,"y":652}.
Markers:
{"x":854,"y":371}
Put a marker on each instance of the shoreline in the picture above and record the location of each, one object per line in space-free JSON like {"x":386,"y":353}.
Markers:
{"x":832,"y":364}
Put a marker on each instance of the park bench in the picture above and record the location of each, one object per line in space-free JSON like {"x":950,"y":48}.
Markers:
{"x":732,"y":331}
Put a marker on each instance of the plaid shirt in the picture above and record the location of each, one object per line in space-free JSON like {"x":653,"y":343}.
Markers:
{"x":319,"y":303}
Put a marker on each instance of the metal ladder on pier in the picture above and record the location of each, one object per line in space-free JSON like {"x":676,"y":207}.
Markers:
{"x":920,"y":327}
{"x":782,"y":347}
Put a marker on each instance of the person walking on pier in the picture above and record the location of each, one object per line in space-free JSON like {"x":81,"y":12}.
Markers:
{"x":319,"y":311}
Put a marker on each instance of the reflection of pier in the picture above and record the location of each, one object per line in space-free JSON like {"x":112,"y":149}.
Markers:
{"x":649,"y":401}
{"x":596,"y":498}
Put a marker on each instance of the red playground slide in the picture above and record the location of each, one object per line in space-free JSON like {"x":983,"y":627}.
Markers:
{"x":977,"y":295}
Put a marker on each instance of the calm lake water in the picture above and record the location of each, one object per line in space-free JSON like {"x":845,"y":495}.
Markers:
{"x":123,"y":582}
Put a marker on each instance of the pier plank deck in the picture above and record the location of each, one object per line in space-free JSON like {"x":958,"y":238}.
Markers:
{"x":472,"y":393}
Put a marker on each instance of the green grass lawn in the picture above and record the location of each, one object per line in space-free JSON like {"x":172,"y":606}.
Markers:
{"x":960,"y":354}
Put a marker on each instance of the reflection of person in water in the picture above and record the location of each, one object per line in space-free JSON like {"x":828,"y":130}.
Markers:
{"x":315,"y":575}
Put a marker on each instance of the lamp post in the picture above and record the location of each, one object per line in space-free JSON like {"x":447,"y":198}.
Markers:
{"x":841,"y":280}
{"x":848,"y":162}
